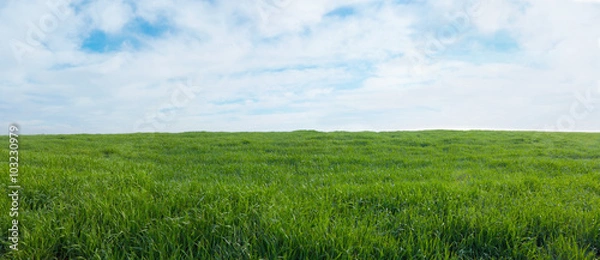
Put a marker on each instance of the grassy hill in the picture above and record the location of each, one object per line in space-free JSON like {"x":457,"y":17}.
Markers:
{"x":307,"y":195}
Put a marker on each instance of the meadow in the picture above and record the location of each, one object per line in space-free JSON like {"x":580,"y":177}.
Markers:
{"x":307,"y":195}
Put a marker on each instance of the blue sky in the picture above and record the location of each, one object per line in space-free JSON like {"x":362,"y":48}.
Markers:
{"x":120,"y":66}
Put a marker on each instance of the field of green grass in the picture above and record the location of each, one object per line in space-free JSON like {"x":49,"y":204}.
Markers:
{"x":307,"y":195}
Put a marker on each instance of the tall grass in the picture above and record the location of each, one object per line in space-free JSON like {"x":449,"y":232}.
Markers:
{"x":308,"y":195}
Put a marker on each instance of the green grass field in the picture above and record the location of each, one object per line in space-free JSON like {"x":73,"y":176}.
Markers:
{"x":307,"y":195}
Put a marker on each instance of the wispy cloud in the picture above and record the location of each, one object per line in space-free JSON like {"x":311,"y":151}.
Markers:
{"x":99,"y":66}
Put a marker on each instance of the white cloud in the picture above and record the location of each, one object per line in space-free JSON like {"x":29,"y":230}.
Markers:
{"x":297,"y":69}
{"x":110,"y":16}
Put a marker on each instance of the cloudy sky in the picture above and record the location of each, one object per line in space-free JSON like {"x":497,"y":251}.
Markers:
{"x":117,"y":66}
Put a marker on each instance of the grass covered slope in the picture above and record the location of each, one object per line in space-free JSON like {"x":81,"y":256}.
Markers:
{"x":308,"y":195}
